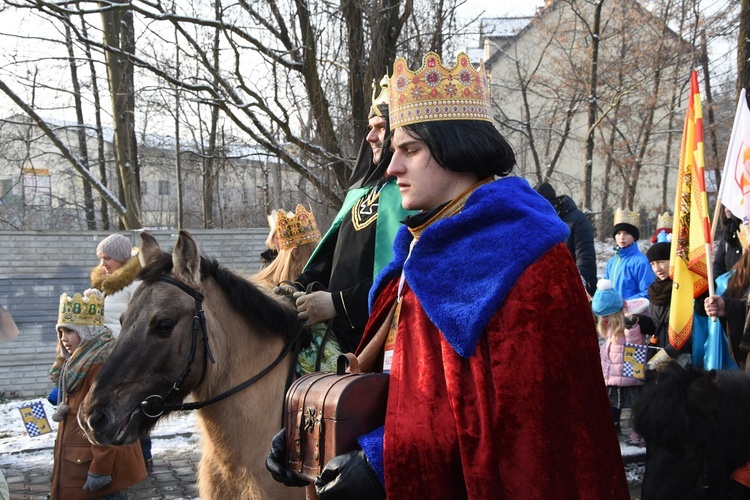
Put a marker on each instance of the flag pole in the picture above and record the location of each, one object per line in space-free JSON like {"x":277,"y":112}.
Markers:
{"x":717,"y":214}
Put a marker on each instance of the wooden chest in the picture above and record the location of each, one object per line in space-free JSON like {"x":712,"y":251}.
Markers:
{"x":326,"y":412}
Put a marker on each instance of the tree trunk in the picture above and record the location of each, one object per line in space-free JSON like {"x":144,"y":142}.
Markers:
{"x":83,"y":150}
{"x":119,"y":35}
{"x":743,"y":50}
{"x":594,"y":75}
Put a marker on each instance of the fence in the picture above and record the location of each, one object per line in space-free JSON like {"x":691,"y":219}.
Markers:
{"x":36,"y":267}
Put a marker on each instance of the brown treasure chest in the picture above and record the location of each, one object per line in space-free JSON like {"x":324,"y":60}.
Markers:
{"x":325,"y":413}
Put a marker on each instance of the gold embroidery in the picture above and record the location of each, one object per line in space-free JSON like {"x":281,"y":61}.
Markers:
{"x":365,"y":211}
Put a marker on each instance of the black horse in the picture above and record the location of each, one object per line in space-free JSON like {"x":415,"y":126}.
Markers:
{"x":696,"y":424}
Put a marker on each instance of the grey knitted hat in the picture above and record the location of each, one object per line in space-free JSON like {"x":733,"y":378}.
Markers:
{"x":116,"y":246}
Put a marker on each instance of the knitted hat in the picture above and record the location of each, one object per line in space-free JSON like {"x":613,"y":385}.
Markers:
{"x":628,"y":221}
{"x":606,"y":299}
{"x":546,"y":190}
{"x":659,"y":251}
{"x":116,"y":246}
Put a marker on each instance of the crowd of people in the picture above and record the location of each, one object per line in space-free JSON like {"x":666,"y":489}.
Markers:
{"x":436,"y":270}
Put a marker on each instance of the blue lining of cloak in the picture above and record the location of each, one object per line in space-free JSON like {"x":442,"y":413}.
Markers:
{"x":477,"y":255}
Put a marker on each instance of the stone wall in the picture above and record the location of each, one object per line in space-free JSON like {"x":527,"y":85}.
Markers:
{"x":36,"y":267}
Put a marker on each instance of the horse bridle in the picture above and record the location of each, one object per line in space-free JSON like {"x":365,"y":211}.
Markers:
{"x":154,"y":406}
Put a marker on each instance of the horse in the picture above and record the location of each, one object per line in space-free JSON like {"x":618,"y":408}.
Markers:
{"x":194,"y":327}
{"x":697,"y":430}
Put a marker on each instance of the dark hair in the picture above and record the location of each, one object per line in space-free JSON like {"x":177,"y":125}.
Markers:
{"x":466,"y":146}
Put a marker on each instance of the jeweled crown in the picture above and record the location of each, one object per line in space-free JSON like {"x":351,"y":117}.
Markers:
{"x":77,"y":310}
{"x":380,"y":101}
{"x":435,"y":92}
{"x":627,"y":217}
{"x":296,"y":228}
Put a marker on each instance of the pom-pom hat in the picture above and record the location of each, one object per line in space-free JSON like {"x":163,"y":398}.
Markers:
{"x":606,"y":300}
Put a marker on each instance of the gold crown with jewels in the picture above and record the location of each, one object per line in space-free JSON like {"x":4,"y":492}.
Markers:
{"x":435,"y":92}
{"x":77,"y":310}
{"x":296,"y":228}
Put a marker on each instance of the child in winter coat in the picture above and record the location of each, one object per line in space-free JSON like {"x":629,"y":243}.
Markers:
{"x":81,"y":469}
{"x":616,"y":329}
{"x":628,"y":270}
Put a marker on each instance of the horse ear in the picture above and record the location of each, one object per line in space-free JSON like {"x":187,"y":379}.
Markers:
{"x":187,"y":259}
{"x":150,"y":249}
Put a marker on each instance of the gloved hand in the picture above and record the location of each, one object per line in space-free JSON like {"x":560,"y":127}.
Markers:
{"x":285,"y":290}
{"x":276,"y":462}
{"x":349,"y":476}
{"x":95,"y":482}
{"x":52,"y":398}
{"x":315,"y":307}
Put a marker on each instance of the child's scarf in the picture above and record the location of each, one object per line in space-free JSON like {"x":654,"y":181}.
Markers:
{"x":69,"y":373}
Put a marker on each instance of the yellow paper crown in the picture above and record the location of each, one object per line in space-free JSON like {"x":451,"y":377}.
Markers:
{"x":627,"y":217}
{"x":380,"y":101}
{"x":78,"y":310}
{"x":296,"y":228}
{"x":743,"y":234}
{"x":435,"y":92}
{"x":664,"y":221}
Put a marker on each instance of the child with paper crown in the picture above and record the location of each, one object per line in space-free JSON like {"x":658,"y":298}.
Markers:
{"x":628,"y":270}
{"x":616,"y":329}
{"x":81,"y":469}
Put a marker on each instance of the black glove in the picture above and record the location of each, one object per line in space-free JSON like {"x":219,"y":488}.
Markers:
{"x":276,"y":463}
{"x":349,"y":476}
{"x":95,"y":482}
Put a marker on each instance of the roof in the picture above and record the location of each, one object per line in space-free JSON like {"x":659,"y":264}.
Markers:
{"x":502,"y":27}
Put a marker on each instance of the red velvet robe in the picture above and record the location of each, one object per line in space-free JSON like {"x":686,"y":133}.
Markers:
{"x":525,"y":416}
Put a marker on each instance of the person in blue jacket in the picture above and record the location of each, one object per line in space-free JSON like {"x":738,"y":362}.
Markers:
{"x":629,"y":270}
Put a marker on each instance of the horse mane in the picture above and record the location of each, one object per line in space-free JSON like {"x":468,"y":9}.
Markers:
{"x":690,"y":405}
{"x":243,"y":296}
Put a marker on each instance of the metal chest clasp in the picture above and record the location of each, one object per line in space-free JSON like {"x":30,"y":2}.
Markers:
{"x":308,"y":422}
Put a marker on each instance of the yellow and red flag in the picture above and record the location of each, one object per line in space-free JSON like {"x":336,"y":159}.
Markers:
{"x":691,"y":233}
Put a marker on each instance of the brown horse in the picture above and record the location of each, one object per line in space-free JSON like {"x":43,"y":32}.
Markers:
{"x":187,"y":312}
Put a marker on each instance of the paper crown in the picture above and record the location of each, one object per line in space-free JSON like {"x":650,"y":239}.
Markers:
{"x":627,"y":217}
{"x":296,"y":228}
{"x":664,"y":221}
{"x":380,"y":101}
{"x":78,"y":310}
{"x":435,"y":92}
{"x":743,"y":234}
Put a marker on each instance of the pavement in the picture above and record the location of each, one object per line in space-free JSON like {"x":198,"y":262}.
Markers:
{"x":173,"y":476}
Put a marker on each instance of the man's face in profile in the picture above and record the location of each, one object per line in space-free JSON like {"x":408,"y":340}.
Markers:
{"x":376,"y":136}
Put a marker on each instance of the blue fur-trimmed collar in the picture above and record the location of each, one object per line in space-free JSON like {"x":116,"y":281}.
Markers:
{"x":464,"y":266}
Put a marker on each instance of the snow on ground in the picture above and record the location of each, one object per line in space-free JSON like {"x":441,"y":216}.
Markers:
{"x":17,"y":449}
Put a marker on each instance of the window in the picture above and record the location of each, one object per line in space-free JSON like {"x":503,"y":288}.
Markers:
{"x":163,"y":187}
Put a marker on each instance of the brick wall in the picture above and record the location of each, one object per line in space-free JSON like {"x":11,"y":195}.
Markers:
{"x":36,"y":267}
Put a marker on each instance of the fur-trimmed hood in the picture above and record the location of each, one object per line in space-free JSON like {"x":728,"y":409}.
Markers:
{"x":119,"y":279}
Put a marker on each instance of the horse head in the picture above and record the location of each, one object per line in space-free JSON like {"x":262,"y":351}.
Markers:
{"x":167,"y":344}
{"x":694,"y":425}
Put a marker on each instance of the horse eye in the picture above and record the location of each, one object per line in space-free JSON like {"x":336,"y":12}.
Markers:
{"x":163,"y":328}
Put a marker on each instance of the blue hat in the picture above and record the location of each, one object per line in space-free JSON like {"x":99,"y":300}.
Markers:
{"x":606,"y":299}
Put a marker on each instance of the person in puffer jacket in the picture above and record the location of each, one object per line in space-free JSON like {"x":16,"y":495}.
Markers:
{"x":616,"y":329}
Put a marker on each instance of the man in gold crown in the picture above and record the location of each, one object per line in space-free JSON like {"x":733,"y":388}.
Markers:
{"x":628,"y":270}
{"x":481,"y":319}
{"x":82,"y":469}
{"x":359,"y":242}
